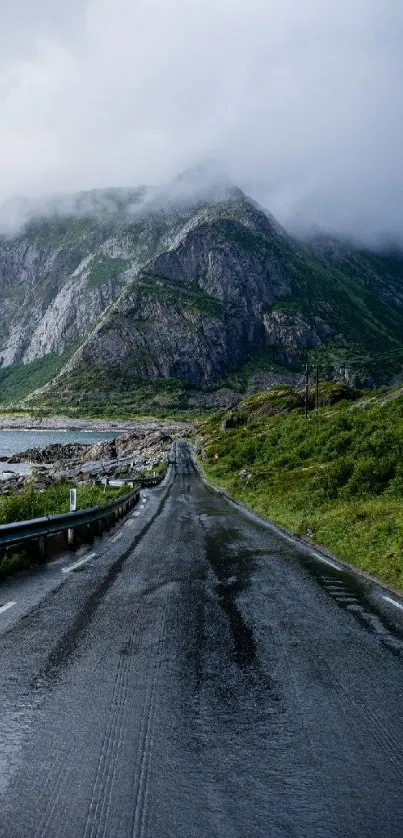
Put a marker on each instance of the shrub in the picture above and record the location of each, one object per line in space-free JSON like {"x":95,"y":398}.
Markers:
{"x":371,"y":476}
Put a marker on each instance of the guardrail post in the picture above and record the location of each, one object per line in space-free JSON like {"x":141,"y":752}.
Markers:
{"x":70,"y":537}
{"x":37,"y":530}
{"x":41,"y":546}
{"x":91,"y":529}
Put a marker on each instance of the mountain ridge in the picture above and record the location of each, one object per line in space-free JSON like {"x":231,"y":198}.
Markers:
{"x":189,"y":291}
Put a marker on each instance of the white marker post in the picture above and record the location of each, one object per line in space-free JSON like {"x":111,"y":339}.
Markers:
{"x":73,"y":500}
{"x":73,"y":507}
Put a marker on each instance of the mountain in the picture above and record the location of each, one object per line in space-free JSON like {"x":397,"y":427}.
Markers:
{"x":117,"y":292}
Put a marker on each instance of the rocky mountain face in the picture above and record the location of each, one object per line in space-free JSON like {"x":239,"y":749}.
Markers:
{"x":137,"y":287}
{"x":58,"y":275}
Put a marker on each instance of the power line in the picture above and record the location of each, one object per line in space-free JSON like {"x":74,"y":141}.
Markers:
{"x":361,"y":359}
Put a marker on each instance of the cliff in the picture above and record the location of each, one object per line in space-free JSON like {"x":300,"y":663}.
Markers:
{"x":187,"y":292}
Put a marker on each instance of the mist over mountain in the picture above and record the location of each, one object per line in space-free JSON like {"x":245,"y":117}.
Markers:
{"x":108,"y":292}
{"x":299,"y":103}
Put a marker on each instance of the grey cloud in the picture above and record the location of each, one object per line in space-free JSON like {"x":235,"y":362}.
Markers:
{"x":24,"y":23}
{"x":300,"y":102}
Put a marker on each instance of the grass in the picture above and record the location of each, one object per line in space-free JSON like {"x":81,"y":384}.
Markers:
{"x":181,"y":294}
{"x":104,"y":269}
{"x":258,"y":361}
{"x":336,"y":479}
{"x":114,"y":392}
{"x":345,"y":296}
{"x":31,"y":503}
{"x":18,"y":380}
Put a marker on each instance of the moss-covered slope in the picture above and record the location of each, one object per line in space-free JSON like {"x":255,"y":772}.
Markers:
{"x":336,"y":478}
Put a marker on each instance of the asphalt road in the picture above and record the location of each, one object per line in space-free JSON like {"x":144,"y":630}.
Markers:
{"x":199,"y":675}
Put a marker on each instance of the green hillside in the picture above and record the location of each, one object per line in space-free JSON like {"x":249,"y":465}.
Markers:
{"x":335,"y":479}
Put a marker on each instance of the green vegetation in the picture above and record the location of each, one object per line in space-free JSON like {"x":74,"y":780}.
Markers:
{"x":156,"y":471}
{"x":181,"y":294}
{"x":60,"y":231}
{"x":104,"y":269}
{"x":345,"y":295}
{"x":31,"y":503}
{"x":114,"y":391}
{"x":18,"y":380}
{"x":243,"y":378}
{"x":336,"y":479}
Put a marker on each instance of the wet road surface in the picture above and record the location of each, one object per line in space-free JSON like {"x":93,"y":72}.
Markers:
{"x":199,"y":675}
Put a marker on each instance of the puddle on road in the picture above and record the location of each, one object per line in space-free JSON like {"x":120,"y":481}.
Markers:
{"x":245,"y":653}
{"x":233,"y":570}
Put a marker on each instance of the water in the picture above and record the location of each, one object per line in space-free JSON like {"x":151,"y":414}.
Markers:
{"x":14,"y":442}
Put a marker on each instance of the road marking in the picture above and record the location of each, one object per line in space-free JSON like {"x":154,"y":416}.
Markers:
{"x":79,"y":563}
{"x":116,"y":537}
{"x":291,"y":539}
{"x":326,"y":561}
{"x":393,"y":602}
{"x":7,"y":606}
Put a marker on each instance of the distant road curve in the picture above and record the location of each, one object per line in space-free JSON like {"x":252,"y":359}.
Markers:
{"x":196,"y":675}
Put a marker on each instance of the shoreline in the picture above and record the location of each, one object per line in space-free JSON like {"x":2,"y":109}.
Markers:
{"x":66,"y":423}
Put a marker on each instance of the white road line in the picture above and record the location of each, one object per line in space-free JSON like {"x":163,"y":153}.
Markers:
{"x":116,"y":537}
{"x":393,"y":602}
{"x":307,"y":551}
{"x":7,"y":606}
{"x":79,"y":563}
{"x":326,"y":561}
{"x":291,"y":539}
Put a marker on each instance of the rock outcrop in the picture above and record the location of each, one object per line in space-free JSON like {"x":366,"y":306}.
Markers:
{"x":154,"y":289}
{"x":128,"y":455}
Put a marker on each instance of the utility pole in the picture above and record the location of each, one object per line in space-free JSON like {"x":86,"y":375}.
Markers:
{"x":317,"y":389}
{"x":306,"y":390}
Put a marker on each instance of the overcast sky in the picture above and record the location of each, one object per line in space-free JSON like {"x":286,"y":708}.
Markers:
{"x":301,"y":101}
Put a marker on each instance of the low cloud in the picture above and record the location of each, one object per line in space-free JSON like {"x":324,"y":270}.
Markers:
{"x":299,"y":102}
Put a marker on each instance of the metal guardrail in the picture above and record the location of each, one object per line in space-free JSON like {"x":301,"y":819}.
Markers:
{"x":39,"y":528}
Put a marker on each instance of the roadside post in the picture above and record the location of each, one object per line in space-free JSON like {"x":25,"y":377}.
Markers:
{"x":73,"y":507}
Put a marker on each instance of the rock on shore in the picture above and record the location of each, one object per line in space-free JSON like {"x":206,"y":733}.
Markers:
{"x":68,"y":423}
{"x":127,"y":455}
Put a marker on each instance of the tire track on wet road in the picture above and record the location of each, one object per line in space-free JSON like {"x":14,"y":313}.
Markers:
{"x":115,"y":732}
{"x":210,"y":681}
